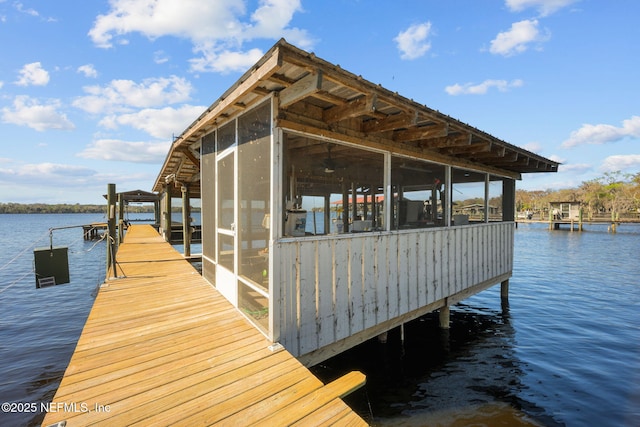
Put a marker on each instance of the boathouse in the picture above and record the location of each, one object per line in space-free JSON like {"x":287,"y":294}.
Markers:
{"x":327,"y":203}
{"x":565,"y":211}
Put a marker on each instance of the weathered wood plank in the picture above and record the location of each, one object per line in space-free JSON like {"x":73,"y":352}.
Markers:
{"x":369,"y":282}
{"x":393,"y":277}
{"x":326,"y":329}
{"x":356,"y":291}
{"x":382,"y":283}
{"x":342,"y":311}
{"x":307,"y":314}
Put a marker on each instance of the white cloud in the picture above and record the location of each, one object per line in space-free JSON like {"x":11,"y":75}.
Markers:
{"x":575,"y":167}
{"x":46,"y":174}
{"x":224,"y":61}
{"x":29,"y":112}
{"x":20,"y":8}
{"x":534,"y":147}
{"x":557,"y":158}
{"x":33,"y":74}
{"x":160,"y":57}
{"x":126,"y":151}
{"x":518,"y":38}
{"x":121,"y":95}
{"x":413,"y":42}
{"x":88,"y":70}
{"x":620,"y":163}
{"x":160,"y":123}
{"x":544,"y":7}
{"x":603,"y":133}
{"x":212,"y":26}
{"x":482,"y":88}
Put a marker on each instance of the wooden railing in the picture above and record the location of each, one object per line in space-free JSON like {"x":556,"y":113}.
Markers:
{"x":333,"y":287}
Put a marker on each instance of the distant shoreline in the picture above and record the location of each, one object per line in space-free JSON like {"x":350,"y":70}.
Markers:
{"x":62,"y":208}
{"x":65,"y":208}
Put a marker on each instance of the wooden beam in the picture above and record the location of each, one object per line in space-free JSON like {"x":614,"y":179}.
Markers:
{"x":448,"y":141}
{"x":390,"y":122}
{"x":440,"y":130}
{"x":187,"y":152}
{"x":301,"y":89}
{"x":362,"y":106}
{"x":476,"y":147}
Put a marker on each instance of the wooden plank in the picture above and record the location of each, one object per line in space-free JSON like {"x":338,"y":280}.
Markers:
{"x":342,"y":310}
{"x":438,"y":267}
{"x":369,"y":281}
{"x":393,"y":277}
{"x":336,"y":389}
{"x":326,"y":329}
{"x":356,"y":297}
{"x":430,"y":270}
{"x":382,"y":273}
{"x":308,"y":313}
{"x":421,"y":271}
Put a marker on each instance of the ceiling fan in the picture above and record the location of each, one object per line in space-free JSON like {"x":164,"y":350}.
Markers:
{"x":328,"y":163}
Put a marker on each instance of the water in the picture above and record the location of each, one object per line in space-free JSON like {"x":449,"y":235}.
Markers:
{"x":565,"y":352}
{"x":39,"y":327}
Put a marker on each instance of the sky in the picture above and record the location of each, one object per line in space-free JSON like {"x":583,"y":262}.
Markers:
{"x":93,"y":92}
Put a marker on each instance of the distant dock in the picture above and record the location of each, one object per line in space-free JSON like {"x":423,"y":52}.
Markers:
{"x":161,"y":346}
{"x":94,"y":230}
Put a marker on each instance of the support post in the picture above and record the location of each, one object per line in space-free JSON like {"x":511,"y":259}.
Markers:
{"x":509,"y":200}
{"x":580,"y":215}
{"x":186,"y":221}
{"x":111,"y":228}
{"x":504,"y":290}
{"x":120,"y":218}
{"x":504,"y":296}
{"x":613,"y":221}
{"x":445,"y":314}
{"x":168,"y":222}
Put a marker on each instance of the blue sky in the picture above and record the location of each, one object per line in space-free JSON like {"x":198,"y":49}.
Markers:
{"x":92,"y":92}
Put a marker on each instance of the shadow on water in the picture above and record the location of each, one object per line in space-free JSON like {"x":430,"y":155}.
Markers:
{"x":468,"y":375}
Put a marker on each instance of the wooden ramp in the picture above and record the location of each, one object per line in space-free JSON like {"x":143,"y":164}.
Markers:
{"x":162,"y":347}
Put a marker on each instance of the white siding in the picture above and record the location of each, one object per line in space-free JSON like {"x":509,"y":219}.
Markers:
{"x":333,"y":287}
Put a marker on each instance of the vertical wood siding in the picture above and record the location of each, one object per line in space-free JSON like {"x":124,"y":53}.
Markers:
{"x":336,"y":286}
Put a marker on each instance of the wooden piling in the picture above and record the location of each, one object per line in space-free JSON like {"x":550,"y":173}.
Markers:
{"x":111,"y":226}
{"x":445,"y":315}
{"x":504,"y":290}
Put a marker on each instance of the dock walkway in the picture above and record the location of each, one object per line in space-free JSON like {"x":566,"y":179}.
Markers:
{"x":161,"y":346}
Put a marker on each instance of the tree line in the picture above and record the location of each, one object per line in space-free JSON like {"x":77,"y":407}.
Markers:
{"x":612,"y":192}
{"x":43,"y":208}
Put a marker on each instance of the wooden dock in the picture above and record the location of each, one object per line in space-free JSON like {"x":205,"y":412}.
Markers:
{"x":161,"y":346}
{"x":92,"y":231}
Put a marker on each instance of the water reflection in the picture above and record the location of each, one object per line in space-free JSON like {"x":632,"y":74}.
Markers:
{"x":468,"y":375}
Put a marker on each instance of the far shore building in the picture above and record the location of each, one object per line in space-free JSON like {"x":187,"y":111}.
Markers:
{"x":327,"y":201}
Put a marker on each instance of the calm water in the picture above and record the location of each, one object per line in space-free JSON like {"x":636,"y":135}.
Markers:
{"x":565,"y":352}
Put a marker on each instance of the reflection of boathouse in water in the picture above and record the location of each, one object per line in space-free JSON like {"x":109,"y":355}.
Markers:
{"x":296,"y":133}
